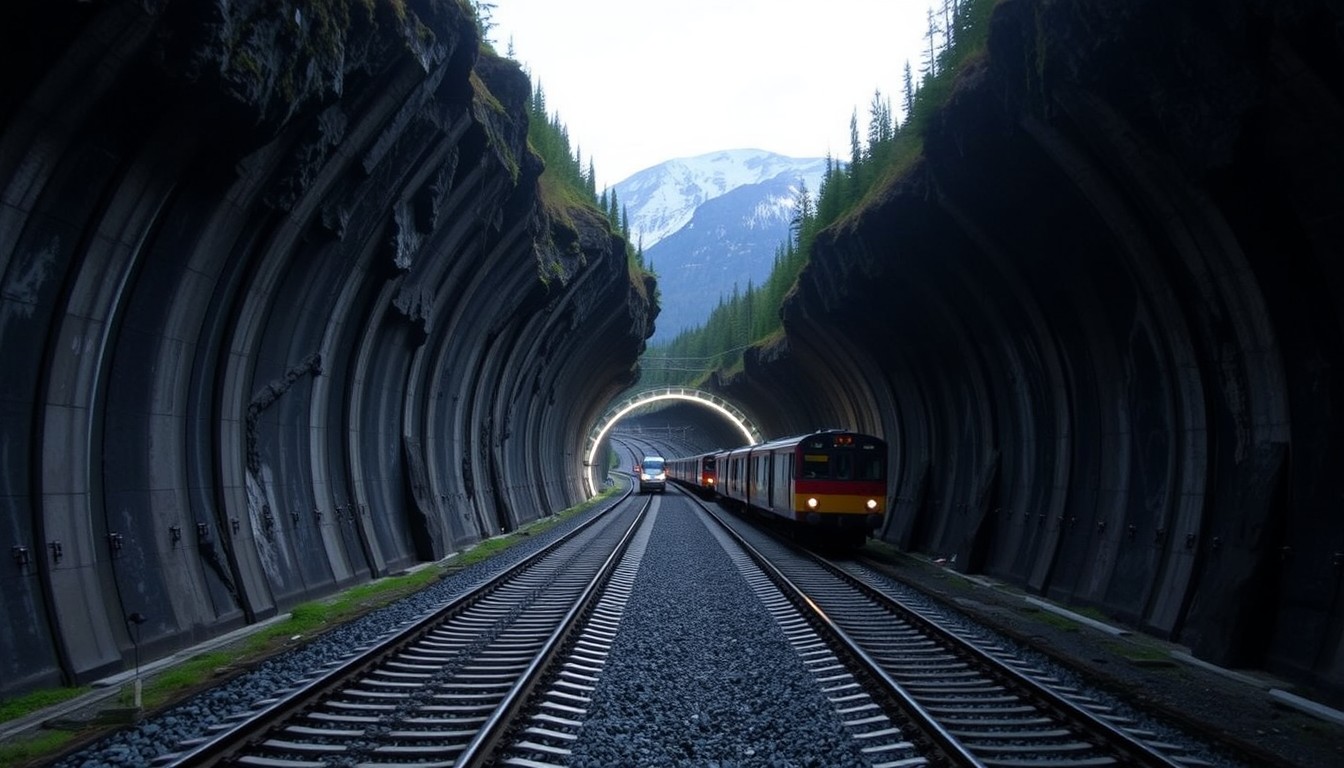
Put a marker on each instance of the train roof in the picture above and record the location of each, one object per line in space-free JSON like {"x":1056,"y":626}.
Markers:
{"x":780,"y":442}
{"x":783,"y":442}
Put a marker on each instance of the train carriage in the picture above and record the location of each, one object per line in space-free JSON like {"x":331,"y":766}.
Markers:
{"x":834,"y":481}
{"x":695,"y":472}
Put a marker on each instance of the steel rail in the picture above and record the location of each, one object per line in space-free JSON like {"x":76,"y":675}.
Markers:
{"x":1133,"y":748}
{"x":210,"y":750}
{"x":482,"y":747}
{"x":1115,"y":739}
{"x":920,"y":718}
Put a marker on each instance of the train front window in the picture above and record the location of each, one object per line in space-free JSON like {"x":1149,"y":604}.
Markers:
{"x":844,"y":465}
{"x":816,"y":465}
{"x":871,"y":467}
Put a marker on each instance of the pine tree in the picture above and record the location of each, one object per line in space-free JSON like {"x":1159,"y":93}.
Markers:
{"x":802,"y":212}
{"x":879,"y":122}
{"x":831,"y":198}
{"x":855,"y":149}
{"x":484,"y":21}
{"x":931,"y":55}
{"x":539,"y":102}
{"x":909,"y":91}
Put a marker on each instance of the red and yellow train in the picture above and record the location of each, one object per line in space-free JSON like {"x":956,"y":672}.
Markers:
{"x":833,"y":481}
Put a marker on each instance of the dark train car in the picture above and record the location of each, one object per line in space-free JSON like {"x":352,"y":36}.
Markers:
{"x":695,"y":473}
{"x":833,"y":481}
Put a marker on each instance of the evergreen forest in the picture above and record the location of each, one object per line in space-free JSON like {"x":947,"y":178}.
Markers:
{"x":956,"y":34}
{"x":565,"y":180}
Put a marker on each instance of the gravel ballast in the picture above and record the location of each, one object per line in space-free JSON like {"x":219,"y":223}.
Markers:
{"x":661,"y":702}
{"x":700,"y":674}
{"x":1233,"y":708}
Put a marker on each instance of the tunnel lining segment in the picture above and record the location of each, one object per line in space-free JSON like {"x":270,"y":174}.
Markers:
{"x":615,"y":413}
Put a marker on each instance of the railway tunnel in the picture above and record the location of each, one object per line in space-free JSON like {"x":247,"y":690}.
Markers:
{"x":284,"y":310}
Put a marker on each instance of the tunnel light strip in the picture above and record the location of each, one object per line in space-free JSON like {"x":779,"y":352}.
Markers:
{"x":699,"y":397}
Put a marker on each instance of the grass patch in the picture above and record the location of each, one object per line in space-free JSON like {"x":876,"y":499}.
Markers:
{"x":306,"y":621}
{"x":40,"y":745}
{"x":1139,"y":651}
{"x":1055,"y":620}
{"x":21,"y":706}
{"x":163,"y":687}
{"x":493,"y":546}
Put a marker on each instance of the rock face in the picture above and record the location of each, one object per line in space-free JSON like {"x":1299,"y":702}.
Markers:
{"x":1100,"y":323}
{"x":282,"y":311}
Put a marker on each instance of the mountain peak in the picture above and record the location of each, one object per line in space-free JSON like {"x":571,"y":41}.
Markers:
{"x":711,"y":225}
{"x":662,"y":199}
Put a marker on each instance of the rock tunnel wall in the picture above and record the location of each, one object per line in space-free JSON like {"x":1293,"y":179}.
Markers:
{"x":1099,"y":321}
{"x":282,"y":311}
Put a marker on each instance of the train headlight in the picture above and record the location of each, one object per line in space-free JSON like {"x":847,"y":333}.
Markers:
{"x":812,"y":503}
{"x":872,"y":504}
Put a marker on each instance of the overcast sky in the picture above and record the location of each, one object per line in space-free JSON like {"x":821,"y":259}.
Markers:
{"x":638,"y":82}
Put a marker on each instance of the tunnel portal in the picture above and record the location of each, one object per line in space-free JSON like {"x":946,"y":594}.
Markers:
{"x":720,"y":406}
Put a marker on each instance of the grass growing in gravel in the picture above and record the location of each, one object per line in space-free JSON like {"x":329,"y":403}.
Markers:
{"x":43,"y":744}
{"x":305,"y":622}
{"x":1053,"y":619}
{"x":493,"y":546}
{"x":1138,"y":649}
{"x":31,"y":702}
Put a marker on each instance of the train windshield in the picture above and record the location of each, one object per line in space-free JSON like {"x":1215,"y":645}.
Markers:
{"x":843,"y":460}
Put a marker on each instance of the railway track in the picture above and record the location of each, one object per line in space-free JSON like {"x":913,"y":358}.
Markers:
{"x":973,"y":702}
{"x":556,"y":717}
{"x":550,"y":726}
{"x":442,"y":691}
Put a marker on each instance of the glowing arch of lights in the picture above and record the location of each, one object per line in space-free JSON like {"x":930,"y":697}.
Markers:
{"x":697,"y":396}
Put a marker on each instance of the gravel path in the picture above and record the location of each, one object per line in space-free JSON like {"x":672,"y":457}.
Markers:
{"x":700,"y":674}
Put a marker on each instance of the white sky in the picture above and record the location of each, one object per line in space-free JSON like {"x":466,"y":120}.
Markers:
{"x":638,"y":82}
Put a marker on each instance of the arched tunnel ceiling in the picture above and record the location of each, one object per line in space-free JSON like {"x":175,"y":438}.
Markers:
{"x":282,"y":311}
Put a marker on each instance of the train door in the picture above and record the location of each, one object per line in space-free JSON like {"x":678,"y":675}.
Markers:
{"x":784,"y":482}
{"x":755,"y":486}
{"x":768,"y":478}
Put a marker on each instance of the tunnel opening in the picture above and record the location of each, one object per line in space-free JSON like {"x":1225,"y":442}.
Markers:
{"x":694,"y":408}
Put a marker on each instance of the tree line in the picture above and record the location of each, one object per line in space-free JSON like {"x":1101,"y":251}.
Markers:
{"x":956,"y":32}
{"x":565,"y":175}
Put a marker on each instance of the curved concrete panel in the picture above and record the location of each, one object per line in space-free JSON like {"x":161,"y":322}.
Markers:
{"x":1099,"y":323}
{"x":281,"y":311}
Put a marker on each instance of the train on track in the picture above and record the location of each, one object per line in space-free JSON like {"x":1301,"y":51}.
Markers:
{"x":832,"y":482}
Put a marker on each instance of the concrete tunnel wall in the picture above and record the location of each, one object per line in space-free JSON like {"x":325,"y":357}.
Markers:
{"x":282,"y":311}
{"x":1099,"y":323}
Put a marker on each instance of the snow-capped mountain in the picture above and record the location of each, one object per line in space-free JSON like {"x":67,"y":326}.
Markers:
{"x":712,"y":224}
{"x":661,"y":199}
